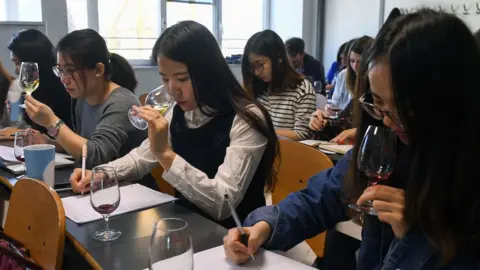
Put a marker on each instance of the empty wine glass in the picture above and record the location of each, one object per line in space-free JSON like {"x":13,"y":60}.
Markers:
{"x":105,"y":198}
{"x":22,"y":139}
{"x":159,"y":99}
{"x":318,"y":87}
{"x":170,"y":246}
{"x":29,"y":78}
{"x":376,"y":159}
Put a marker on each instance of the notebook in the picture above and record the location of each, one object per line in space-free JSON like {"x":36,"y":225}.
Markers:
{"x":337,"y":148}
{"x":132,"y":197}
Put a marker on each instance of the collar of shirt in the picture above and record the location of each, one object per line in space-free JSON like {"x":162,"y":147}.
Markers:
{"x":195,"y":118}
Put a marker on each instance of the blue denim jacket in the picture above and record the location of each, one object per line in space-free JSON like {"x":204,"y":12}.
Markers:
{"x":318,"y":207}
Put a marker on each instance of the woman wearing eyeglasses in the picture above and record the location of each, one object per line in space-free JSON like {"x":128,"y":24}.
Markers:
{"x":104,"y":84}
{"x":286,"y":94}
{"x":428,"y":214}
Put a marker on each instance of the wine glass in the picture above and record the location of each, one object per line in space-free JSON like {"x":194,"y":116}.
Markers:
{"x":317,"y":87}
{"x":159,"y":99}
{"x":22,"y":139}
{"x":376,"y":158}
{"x":332,"y":109}
{"x":170,"y":246}
{"x":29,"y":78}
{"x":105,"y":198}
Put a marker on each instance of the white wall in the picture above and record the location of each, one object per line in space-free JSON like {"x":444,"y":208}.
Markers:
{"x":347,"y":19}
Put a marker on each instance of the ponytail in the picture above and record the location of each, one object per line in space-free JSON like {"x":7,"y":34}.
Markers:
{"x":122,"y":73}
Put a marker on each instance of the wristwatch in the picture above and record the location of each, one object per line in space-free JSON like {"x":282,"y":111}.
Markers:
{"x":53,"y":130}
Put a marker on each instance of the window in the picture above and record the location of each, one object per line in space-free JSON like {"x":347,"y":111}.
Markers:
{"x":21,"y":10}
{"x":184,"y":10}
{"x":130,"y":27}
{"x":77,"y":14}
{"x":240,"y":20}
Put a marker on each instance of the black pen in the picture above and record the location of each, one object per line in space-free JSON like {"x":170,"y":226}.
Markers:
{"x":243,"y":235}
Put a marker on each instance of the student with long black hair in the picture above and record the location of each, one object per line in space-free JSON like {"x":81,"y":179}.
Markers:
{"x":428,"y":214}
{"x":270,"y":77}
{"x":103,"y":83}
{"x":216,"y":140}
{"x":33,"y":46}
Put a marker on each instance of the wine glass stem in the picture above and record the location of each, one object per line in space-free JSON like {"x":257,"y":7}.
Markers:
{"x":107,"y":228}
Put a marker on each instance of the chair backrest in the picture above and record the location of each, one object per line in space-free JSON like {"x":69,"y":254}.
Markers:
{"x":142,"y":98}
{"x":162,"y":185}
{"x":299,"y":162}
{"x":36,"y":218}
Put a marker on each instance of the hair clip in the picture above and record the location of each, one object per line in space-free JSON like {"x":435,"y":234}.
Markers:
{"x":454,"y":8}
{"x":465,"y":9}
{"x":478,"y":8}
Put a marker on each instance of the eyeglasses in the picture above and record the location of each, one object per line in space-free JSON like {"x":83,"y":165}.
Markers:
{"x":378,"y":113}
{"x":67,"y":72}
{"x":257,"y":67}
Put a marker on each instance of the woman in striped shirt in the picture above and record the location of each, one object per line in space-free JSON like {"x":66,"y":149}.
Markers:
{"x":286,"y":94}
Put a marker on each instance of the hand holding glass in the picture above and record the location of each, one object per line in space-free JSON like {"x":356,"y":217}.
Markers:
{"x":159,"y":99}
{"x":170,"y":246}
{"x":376,"y":159}
{"x":105,"y":198}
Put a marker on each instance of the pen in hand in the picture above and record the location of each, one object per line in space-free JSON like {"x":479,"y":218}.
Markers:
{"x":243,"y":235}
{"x":84,"y":160}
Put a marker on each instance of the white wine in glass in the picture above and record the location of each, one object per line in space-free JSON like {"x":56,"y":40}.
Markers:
{"x":159,"y":99}
{"x":29,"y":77}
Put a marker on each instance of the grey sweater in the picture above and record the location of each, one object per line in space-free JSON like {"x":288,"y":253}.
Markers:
{"x":107,"y":127}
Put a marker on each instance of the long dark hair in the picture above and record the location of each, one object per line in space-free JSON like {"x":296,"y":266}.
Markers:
{"x":340,"y":53}
{"x":284,"y":76}
{"x":441,"y":182}
{"x":215,"y":85}
{"x":87,"y":48}
{"x":358,"y":46}
{"x":33,"y":46}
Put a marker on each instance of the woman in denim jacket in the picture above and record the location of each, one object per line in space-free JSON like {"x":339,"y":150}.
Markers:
{"x":429,"y":211}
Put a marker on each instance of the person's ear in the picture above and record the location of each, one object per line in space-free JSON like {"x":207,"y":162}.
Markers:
{"x":99,"y":69}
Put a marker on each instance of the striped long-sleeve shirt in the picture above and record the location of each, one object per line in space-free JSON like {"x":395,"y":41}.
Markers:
{"x":292,"y":108}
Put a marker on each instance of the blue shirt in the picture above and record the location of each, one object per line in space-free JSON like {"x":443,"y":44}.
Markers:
{"x":319,"y":207}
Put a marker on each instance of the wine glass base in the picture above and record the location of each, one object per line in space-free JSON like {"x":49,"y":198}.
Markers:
{"x":367,"y":209}
{"x":105,"y":236}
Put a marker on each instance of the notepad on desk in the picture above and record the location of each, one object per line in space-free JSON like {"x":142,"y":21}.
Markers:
{"x":315,"y":143}
{"x":337,"y":148}
{"x":214,"y":258}
{"x":132,"y":197}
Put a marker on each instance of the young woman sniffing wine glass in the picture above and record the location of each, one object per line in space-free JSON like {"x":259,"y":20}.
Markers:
{"x":105,"y":198}
{"x":376,"y":159}
{"x":159,"y":99}
{"x":29,"y":78}
{"x":170,"y":246}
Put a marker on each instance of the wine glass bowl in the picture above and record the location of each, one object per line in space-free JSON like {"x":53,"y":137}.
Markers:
{"x":22,"y":139}
{"x":159,"y":99}
{"x":333,"y":110}
{"x":29,"y":78}
{"x":105,"y":198}
{"x":376,"y":159}
{"x":170,"y":245}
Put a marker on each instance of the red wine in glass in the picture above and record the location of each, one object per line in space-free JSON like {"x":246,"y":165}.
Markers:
{"x":376,"y":159}
{"x":105,"y":199}
{"x":20,"y":158}
{"x":106,"y":209}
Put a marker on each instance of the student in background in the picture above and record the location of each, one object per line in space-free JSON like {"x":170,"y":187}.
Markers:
{"x":345,"y":56}
{"x":216,"y":140}
{"x":286,"y":94}
{"x":303,"y":62}
{"x":33,"y":46}
{"x":337,"y":66}
{"x":103,"y":83}
{"x":8,"y":85}
{"x":427,"y":211}
{"x":341,"y":131}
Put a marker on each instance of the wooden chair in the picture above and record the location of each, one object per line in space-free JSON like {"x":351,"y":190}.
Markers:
{"x":163,"y":185}
{"x":36,"y":218}
{"x":299,"y":162}
{"x":142,"y":98}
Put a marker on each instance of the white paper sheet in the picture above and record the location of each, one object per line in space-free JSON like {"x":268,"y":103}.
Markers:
{"x":314,"y":143}
{"x":132,"y":198}
{"x":215,"y":259}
